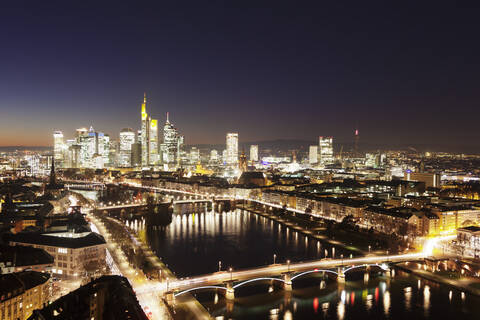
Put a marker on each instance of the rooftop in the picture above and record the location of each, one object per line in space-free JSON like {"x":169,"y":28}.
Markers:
{"x":63,"y":240}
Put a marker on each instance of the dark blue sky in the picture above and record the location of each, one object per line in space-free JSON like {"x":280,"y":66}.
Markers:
{"x":405,"y":74}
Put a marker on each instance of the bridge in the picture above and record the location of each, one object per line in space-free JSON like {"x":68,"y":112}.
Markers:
{"x":283,"y":274}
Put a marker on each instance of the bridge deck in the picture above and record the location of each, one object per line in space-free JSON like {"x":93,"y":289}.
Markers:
{"x":277,"y":269}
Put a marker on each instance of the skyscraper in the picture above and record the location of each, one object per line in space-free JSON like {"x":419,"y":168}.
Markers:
{"x":172,"y":144}
{"x":145,"y":133}
{"x":254,"y":153}
{"x":326,"y":150}
{"x":194,"y":155}
{"x":232,"y":149}
{"x":313,"y":155}
{"x":127,"y":139}
{"x":58,"y":148}
{"x":153,"y":143}
{"x":213,"y":156}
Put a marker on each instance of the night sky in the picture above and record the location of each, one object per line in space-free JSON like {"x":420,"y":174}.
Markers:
{"x":402,"y":74}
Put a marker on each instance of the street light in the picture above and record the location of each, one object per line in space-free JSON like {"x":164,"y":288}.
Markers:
{"x":219,"y":265}
{"x":274,"y":257}
{"x":341,"y":256}
{"x":231,"y":274}
{"x":288,"y":265}
{"x":369,"y":248}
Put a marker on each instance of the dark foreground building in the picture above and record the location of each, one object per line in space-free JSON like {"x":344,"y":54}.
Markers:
{"x":21,"y":293}
{"x":106,"y":298}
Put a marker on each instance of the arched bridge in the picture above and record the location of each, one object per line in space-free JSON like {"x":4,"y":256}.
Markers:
{"x":283,"y":274}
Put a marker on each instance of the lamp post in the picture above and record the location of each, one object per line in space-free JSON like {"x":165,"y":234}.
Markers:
{"x":369,"y":248}
{"x":274,"y":257}
{"x":341,"y":256}
{"x":288,"y":265}
{"x":219,"y":265}
{"x":231,"y":274}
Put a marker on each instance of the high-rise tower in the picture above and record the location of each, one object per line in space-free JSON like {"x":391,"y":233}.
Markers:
{"x":325,"y":150}
{"x":232,"y":149}
{"x":172,"y":144}
{"x":58,"y":148}
{"x":145,"y":133}
{"x":153,"y":142}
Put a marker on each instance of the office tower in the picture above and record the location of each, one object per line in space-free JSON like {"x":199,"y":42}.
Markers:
{"x":136,"y":154}
{"x":74,"y":156}
{"x":313,"y":155}
{"x":58,"y":148}
{"x":127,"y":139}
{"x":232,"y":149}
{"x":326,"y":150}
{"x":194,"y":155}
{"x":213,"y":155}
{"x":224,"y":156}
{"x":172,"y":144}
{"x":90,"y":147}
{"x":103,"y":147}
{"x":254,"y":153}
{"x":153,"y":142}
{"x":145,"y":134}
{"x":82,"y":138}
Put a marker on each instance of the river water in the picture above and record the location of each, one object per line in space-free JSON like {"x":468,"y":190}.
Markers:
{"x":197,"y":240}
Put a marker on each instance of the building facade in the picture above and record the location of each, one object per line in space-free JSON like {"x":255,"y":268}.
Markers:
{"x":21,"y":293}
{"x":232,"y":149}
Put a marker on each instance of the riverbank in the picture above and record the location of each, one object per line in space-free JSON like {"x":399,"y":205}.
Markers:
{"x":190,"y":307}
{"x":464,"y":285}
{"x":309,"y":233}
{"x":150,"y":303}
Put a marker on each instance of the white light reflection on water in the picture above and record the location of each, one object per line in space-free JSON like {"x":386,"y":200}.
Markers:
{"x":408,"y":298}
{"x":386,"y":302}
{"x":369,"y":302}
{"x":288,"y":315}
{"x":426,"y":299}
{"x":341,"y":310}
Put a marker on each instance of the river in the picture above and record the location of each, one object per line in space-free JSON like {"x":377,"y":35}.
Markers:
{"x":199,"y":242}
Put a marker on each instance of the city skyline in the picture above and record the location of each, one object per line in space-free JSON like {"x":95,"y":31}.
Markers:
{"x":327,"y":71}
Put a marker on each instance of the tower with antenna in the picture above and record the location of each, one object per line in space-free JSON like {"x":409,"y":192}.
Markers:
{"x":357,"y":137}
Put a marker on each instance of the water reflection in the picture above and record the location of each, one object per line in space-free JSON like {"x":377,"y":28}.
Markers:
{"x":386,"y":302}
{"x":426,"y":299}
{"x":195,"y":242}
{"x":238,"y":238}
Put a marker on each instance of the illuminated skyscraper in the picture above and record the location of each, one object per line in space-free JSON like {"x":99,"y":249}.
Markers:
{"x":172,"y":144}
{"x":254,"y":153}
{"x":194,"y":155}
{"x":214,"y":156}
{"x":153,"y":142}
{"x":103,"y":147}
{"x":232,"y":149}
{"x":313,"y":155}
{"x":58,"y":148}
{"x":326,"y":150}
{"x":127,"y":139}
{"x":145,"y":135}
